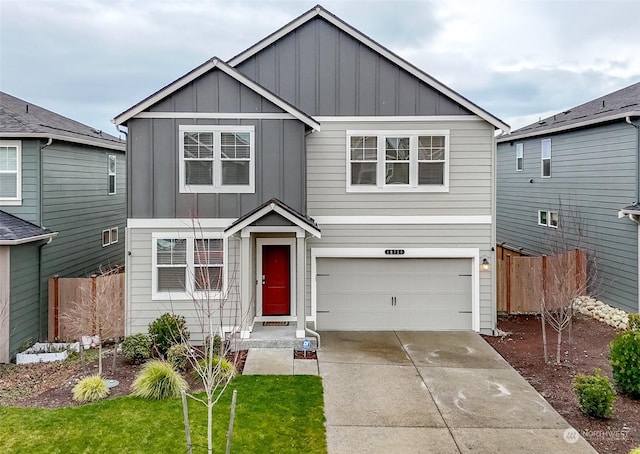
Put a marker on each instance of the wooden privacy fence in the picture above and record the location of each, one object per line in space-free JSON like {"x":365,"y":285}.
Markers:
{"x":76,"y":303}
{"x":523,"y":282}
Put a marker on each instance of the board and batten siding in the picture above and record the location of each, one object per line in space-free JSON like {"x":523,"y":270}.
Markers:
{"x":153,"y":157}
{"x":593,"y":175}
{"x":324,"y":71}
{"x":413,"y":236}
{"x":470,"y":173}
{"x":141,"y":309}
{"x":26,"y":321}
{"x":29,"y":209}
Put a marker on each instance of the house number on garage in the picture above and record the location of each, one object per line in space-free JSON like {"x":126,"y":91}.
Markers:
{"x":394,"y":251}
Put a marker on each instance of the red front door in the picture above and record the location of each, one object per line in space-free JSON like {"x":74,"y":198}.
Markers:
{"x":276,"y":288}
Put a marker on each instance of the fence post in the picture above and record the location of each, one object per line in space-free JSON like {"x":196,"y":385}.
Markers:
{"x":94,"y":305}
{"x":508,"y":282}
{"x":544,"y":279}
{"x":56,"y":306}
{"x":578,"y":265}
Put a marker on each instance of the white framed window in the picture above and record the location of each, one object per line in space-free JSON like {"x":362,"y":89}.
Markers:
{"x":217,"y":158}
{"x":187,"y":266}
{"x":109,"y":236}
{"x":519,"y":157}
{"x":543,"y":217}
{"x":111,"y":173}
{"x":553,"y":219}
{"x":10,"y":172}
{"x":545,"y":145}
{"x":397,"y":161}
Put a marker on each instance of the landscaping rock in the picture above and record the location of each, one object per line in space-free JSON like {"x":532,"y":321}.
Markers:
{"x":601,"y":311}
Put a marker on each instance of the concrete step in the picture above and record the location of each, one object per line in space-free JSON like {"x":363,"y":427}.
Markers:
{"x":272,"y":337}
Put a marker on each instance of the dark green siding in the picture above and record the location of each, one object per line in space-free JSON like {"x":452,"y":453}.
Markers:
{"x":25,"y":315}
{"x":29,"y":210}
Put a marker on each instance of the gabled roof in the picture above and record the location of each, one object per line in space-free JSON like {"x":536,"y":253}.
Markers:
{"x":274,"y":205}
{"x":614,"y":106}
{"x":14,"y":231}
{"x":319,"y":11}
{"x":204,"y":68}
{"x":22,"y":119}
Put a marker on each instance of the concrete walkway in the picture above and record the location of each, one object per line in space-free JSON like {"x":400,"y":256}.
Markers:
{"x":432,"y":392}
{"x":277,"y":361}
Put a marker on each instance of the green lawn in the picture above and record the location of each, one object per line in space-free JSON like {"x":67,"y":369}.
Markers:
{"x":274,"y":414}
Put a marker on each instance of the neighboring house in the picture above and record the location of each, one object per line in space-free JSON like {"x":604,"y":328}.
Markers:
{"x":334,"y":184}
{"x":578,"y":171}
{"x":58,"y":178}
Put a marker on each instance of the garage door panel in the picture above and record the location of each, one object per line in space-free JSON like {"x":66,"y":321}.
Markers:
{"x":383,"y":294}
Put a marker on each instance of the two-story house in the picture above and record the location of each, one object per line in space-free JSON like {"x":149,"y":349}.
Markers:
{"x":572,"y":180}
{"x":60,"y":180}
{"x":322,"y":179}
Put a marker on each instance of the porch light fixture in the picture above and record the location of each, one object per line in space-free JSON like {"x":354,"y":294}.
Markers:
{"x":484,"y":266}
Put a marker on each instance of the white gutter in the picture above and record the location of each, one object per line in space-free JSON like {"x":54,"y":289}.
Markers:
{"x":37,"y":135}
{"x":47,"y":236}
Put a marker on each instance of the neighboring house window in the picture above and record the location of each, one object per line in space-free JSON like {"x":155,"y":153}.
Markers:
{"x":111,"y":172}
{"x":553,"y":219}
{"x":397,"y":161}
{"x":546,"y":158}
{"x":543,"y":218}
{"x":109,"y":236}
{"x":519,"y":157}
{"x":187,"y":267}
{"x":217,"y":158}
{"x":10,"y":173}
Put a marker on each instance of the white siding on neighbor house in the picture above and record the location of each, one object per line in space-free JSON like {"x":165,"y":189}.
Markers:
{"x":414,"y":236}
{"x":142,"y":309}
{"x":470,"y":172}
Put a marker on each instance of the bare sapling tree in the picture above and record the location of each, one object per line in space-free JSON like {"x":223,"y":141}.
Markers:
{"x":99,"y":312}
{"x":218,"y":315}
{"x":568,"y":272}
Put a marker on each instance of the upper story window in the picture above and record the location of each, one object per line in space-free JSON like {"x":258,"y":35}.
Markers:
{"x":397,"y":161}
{"x":10,"y":172}
{"x":111,"y":173}
{"x":548,"y":218}
{"x":217,"y":158}
{"x":185,"y":268}
{"x":546,"y":158}
{"x":519,"y":157}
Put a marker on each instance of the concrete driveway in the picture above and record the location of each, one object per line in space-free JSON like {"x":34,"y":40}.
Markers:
{"x":432,"y":392}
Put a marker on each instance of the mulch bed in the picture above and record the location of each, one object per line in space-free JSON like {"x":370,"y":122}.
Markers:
{"x":522,"y":347}
{"x":299,"y":354}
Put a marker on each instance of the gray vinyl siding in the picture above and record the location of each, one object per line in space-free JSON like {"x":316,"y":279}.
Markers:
{"x":142,"y":309}
{"x":29,"y":210}
{"x":25,"y":320}
{"x":593,"y":176}
{"x":470,"y":173}
{"x":324,"y":71}
{"x":154,"y":160}
{"x":77,"y":205}
{"x":413,"y":236}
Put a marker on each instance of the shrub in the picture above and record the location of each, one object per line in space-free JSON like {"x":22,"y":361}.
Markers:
{"x":222,"y":369}
{"x":625,"y":361}
{"x":633,"y":320}
{"x":90,"y":389}
{"x":167,"y":330}
{"x":635,"y":450}
{"x":595,"y":394}
{"x":178,"y":357}
{"x":217,"y":344}
{"x":158,"y":380}
{"x":137,"y":348}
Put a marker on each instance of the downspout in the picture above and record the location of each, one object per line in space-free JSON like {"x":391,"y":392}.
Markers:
{"x":635,"y":218}
{"x":304,"y":313}
{"x":40,"y":277}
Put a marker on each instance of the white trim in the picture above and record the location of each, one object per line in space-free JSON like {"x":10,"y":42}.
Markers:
{"x":190,"y":292}
{"x":30,"y":239}
{"x":471,"y":253}
{"x":39,"y":135}
{"x":582,"y":124}
{"x":397,"y":119}
{"x":520,"y":156}
{"x":542,"y":158}
{"x":550,"y":215}
{"x":108,"y":237}
{"x":114,"y":174}
{"x":17,"y":200}
{"x":216,"y":185}
{"x":266,"y":210}
{"x":319,"y":11}
{"x":247,"y":231}
{"x":402,"y":220}
{"x":217,"y":115}
{"x":179,"y":223}
{"x":5,"y":302}
{"x":291,"y":242}
{"x":117,"y":235}
{"x":546,"y":213}
{"x":200,"y":71}
{"x":414,"y":163}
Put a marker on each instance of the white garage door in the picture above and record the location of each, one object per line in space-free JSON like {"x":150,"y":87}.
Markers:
{"x":393,"y":294}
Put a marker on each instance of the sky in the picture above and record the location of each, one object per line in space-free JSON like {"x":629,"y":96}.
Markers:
{"x":520,"y":59}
